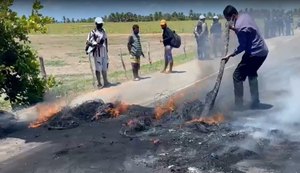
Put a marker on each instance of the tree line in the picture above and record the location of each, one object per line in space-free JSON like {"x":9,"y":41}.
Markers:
{"x":132,"y":17}
{"x":175,"y":16}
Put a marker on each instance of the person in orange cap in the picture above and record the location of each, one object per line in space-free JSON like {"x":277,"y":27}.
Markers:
{"x":167,"y":36}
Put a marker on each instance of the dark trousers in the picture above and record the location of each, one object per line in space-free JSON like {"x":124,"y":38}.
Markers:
{"x":216,"y":44}
{"x":135,"y":69}
{"x":202,"y":48}
{"x":248,"y":67}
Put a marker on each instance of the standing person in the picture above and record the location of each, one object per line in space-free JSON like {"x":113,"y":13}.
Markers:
{"x":167,"y":37}
{"x":287,"y":23}
{"x":291,"y":19}
{"x":135,"y":50}
{"x":216,"y":35}
{"x":267,"y":24}
{"x":281,"y":26}
{"x":97,"y":39}
{"x":273,"y":27}
{"x":252,"y":43}
{"x":201,"y":35}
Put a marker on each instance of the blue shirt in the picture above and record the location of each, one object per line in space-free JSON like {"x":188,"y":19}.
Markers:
{"x":249,"y":37}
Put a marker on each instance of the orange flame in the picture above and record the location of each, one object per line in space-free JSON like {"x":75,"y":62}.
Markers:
{"x":213,"y":120}
{"x":120,"y":108}
{"x":167,"y":107}
{"x":45,"y":113}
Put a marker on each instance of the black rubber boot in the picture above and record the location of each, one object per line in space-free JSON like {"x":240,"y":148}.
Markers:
{"x":253,"y":85}
{"x":238,"y":95}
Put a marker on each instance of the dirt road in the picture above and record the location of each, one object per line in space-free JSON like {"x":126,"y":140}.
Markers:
{"x":98,"y":147}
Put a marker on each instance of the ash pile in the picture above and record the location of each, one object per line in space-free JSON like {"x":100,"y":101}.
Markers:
{"x":185,"y":143}
{"x":182,"y":141}
{"x":91,"y":111}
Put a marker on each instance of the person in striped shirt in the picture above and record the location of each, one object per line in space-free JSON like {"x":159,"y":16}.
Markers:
{"x":135,"y":50}
{"x":97,"y":40}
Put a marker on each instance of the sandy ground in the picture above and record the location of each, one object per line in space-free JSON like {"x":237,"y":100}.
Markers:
{"x":40,"y":150}
{"x":64,"y":54}
{"x":69,"y":50}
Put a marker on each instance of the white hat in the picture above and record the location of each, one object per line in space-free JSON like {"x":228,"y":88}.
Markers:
{"x":215,"y":17}
{"x":201,"y":17}
{"x":99,"y":20}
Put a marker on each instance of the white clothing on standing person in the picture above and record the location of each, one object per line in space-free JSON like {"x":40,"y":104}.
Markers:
{"x":100,"y":51}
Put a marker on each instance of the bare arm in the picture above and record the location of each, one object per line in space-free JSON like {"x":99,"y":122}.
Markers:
{"x":129,"y":44}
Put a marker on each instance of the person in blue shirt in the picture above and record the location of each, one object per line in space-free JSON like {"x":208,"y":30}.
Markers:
{"x":255,"y":51}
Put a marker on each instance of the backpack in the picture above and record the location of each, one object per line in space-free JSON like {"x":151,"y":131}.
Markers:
{"x":176,"y":40}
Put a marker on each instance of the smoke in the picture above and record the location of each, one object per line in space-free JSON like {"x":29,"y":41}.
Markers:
{"x":277,"y":127}
{"x":6,"y":119}
{"x":283,"y":120}
{"x":278,"y":85}
{"x":290,"y":114}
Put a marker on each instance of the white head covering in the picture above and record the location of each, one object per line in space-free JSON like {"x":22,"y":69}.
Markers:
{"x":201,"y":17}
{"x":99,"y":20}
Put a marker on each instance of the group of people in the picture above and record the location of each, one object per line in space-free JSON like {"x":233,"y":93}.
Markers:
{"x":251,"y":42}
{"x":201,"y":33}
{"x":281,"y":24}
{"x":97,"y":46}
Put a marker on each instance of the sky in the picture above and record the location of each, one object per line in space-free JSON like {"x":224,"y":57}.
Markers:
{"x":92,"y":8}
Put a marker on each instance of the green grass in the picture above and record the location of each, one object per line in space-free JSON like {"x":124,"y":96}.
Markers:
{"x":74,"y":84}
{"x":4,"y":105}
{"x":122,"y":27}
{"x":55,"y":63}
{"x":125,"y":27}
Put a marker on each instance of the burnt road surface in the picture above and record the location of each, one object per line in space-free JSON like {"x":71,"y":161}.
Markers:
{"x":249,"y":141}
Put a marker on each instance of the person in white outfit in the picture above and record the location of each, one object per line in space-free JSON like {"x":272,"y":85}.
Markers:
{"x":216,"y":36}
{"x":98,"y":47}
{"x":201,"y":35}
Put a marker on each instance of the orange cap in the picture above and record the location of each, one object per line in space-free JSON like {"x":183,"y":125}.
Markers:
{"x":163,"y":22}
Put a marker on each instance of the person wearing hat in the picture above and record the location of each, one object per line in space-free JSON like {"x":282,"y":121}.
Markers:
{"x":255,"y":51}
{"x":167,"y":37}
{"x":97,"y":40}
{"x":216,"y":35}
{"x":201,"y":35}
